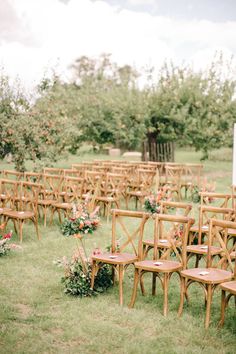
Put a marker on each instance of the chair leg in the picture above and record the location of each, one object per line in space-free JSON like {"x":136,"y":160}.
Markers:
{"x":154,"y":278}
{"x":20,"y":224}
{"x":223,"y":306}
{"x":135,"y":288}
{"x":35,"y":221}
{"x":208,"y":307}
{"x":121,"y":275}
{"x":93,"y":273}
{"x":182,"y":295}
{"x":142,"y":285}
{"x":165,"y":289}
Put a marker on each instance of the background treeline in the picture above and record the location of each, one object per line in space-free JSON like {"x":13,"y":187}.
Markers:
{"x":105,"y":104}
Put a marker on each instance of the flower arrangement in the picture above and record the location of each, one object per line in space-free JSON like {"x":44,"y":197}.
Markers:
{"x":81,"y":222}
{"x":5,"y":245}
{"x":152,"y":203}
{"x":206,"y":187}
{"x":77,"y":277}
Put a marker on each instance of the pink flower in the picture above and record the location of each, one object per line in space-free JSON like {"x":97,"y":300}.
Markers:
{"x":8,"y":236}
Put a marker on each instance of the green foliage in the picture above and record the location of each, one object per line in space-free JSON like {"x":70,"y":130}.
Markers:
{"x":104,"y":104}
{"x":77,"y":281}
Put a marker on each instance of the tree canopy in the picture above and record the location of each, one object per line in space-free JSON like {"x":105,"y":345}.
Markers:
{"x":104,"y":104}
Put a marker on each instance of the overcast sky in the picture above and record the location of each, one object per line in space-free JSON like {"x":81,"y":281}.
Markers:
{"x":36,"y":35}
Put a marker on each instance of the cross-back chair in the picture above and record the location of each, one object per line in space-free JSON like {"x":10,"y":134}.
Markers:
{"x":140,"y":186}
{"x":50,"y":194}
{"x":217,"y":270}
{"x":27,"y":208}
{"x":200,"y":249}
{"x":71,"y":193}
{"x":191,"y":177}
{"x":171,"y":208}
{"x":34,"y":177}
{"x":111,"y":192}
{"x":165,"y":266}
{"x":173,"y":179}
{"x":127,"y":230}
{"x":229,"y":288}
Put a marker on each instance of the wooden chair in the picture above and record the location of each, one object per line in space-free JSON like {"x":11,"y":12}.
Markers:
{"x":140,"y":186}
{"x":8,"y":193}
{"x":124,"y":252}
{"x":167,"y":207}
{"x":28,"y":200}
{"x":214,"y":273}
{"x":164,"y":267}
{"x":72,"y":193}
{"x":228,"y":287}
{"x":111,"y":192}
{"x":220,"y":200}
{"x":200,"y":249}
{"x":191,"y":177}
{"x":173,"y":180}
{"x":50,"y":193}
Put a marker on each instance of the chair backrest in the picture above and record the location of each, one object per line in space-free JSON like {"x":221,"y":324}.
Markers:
{"x":176,"y":208}
{"x":174,"y":230}
{"x":127,"y":230}
{"x":208,"y":212}
{"x":29,"y":193}
{"x":73,"y":188}
{"x":219,"y":235}
{"x":115,"y":184}
{"x":192,"y":173}
{"x":146,"y":178}
{"x":217,"y":199}
{"x":52,"y":170}
{"x":71,"y":173}
{"x":174,"y":174}
{"x":52,"y":185}
{"x":9,"y":192}
{"x":92,"y":180}
{"x":14,"y":175}
{"x":34,"y":177}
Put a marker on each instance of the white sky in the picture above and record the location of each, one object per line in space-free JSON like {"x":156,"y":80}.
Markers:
{"x":36,"y":35}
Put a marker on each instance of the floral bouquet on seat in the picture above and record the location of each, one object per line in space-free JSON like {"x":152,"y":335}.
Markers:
{"x":152,"y":203}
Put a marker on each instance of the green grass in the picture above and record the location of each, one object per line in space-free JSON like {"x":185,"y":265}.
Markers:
{"x":37,"y":317}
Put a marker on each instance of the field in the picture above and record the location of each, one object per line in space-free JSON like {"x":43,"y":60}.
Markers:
{"x":37,"y":317}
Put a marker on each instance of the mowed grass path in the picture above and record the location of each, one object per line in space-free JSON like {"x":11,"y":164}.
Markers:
{"x":37,"y":317}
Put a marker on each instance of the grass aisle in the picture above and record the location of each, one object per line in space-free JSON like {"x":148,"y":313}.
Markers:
{"x":37,"y":317}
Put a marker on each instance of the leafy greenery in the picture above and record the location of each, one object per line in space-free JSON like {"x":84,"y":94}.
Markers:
{"x":77,"y":281}
{"x":105,"y":104}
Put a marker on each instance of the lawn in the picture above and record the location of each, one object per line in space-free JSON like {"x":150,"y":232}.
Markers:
{"x":37,"y":317}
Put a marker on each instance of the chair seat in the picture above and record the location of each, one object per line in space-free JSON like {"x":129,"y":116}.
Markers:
{"x":3,"y":210}
{"x":138,"y":193}
{"x":62,"y":205}
{"x":202,"y":249}
{"x":161,"y":244}
{"x":46,"y":202}
{"x":106,"y":199}
{"x":195,"y":228}
{"x":229,"y":286}
{"x":232,"y":232}
{"x":14,"y":214}
{"x":115,"y":258}
{"x":213,"y":276}
{"x":160,"y":265}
